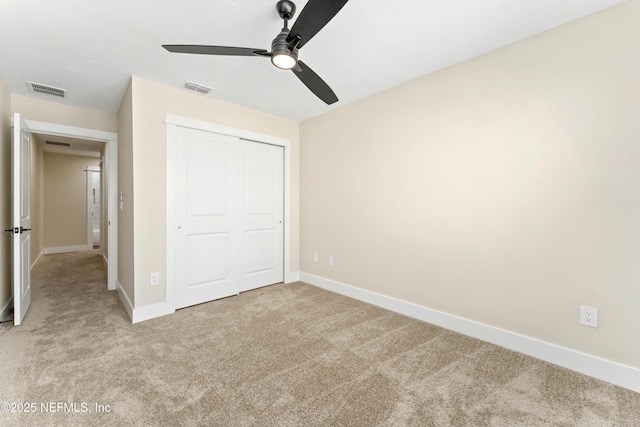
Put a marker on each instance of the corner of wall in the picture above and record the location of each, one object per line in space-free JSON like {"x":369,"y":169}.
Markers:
{"x":125,"y":253}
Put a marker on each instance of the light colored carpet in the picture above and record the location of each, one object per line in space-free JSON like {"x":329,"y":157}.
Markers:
{"x":284,"y":355}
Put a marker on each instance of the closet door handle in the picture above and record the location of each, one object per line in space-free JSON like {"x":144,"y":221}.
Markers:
{"x":22,"y":229}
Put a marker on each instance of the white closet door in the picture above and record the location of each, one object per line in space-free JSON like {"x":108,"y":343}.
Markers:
{"x":261,"y":215}
{"x":207,"y":214}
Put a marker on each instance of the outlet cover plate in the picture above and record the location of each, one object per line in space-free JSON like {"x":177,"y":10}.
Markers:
{"x":589,"y":316}
{"x":154,"y":279}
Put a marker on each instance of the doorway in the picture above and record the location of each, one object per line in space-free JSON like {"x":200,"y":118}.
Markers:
{"x":102,"y":137}
{"x":95,"y":204}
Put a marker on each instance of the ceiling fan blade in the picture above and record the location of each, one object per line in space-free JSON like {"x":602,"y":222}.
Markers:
{"x":215,"y":50}
{"x":315,"y":15}
{"x":314,"y":83}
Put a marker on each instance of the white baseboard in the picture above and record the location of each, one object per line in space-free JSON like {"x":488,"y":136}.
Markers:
{"x":67,"y":249}
{"x":141,"y":314}
{"x":148,"y":312}
{"x":593,"y":366}
{"x":152,"y":311}
{"x":105,"y":261}
{"x":33,"y":264}
{"x":124,"y":299}
{"x":293,"y":276}
{"x":6,"y":310}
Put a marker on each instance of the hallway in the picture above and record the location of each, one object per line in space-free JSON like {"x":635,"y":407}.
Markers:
{"x":69,"y":288}
{"x":52,"y":356}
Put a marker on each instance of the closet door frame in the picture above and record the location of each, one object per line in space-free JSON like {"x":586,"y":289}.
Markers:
{"x":173,"y":122}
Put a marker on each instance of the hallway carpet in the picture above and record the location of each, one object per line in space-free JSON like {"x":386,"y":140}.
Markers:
{"x":284,"y":355}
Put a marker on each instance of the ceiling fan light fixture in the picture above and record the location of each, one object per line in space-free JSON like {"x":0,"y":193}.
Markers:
{"x":281,"y":55}
{"x":284,"y":60}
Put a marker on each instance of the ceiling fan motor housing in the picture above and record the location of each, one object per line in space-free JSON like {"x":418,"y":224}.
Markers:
{"x":279,"y":46}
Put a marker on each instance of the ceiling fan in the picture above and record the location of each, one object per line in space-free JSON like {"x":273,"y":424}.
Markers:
{"x":284,"y":48}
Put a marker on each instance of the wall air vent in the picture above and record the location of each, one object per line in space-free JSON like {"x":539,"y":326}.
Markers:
{"x":60,"y":144}
{"x":197,"y":87}
{"x":47,"y":90}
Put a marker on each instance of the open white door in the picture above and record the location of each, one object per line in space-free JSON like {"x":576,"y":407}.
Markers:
{"x":20,"y":220}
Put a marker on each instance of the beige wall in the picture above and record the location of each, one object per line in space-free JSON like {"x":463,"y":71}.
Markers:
{"x":63,"y":114}
{"x":502,"y":190}
{"x":5,"y":193}
{"x":125,"y":185}
{"x":151,"y":103}
{"x":37,"y":199}
{"x":65,"y":199}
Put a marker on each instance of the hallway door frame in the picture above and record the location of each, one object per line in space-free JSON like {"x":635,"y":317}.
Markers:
{"x":111,"y":139}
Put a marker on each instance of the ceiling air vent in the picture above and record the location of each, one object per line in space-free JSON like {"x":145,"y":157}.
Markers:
{"x":47,"y":90}
{"x":197,"y":87}
{"x":61,"y":144}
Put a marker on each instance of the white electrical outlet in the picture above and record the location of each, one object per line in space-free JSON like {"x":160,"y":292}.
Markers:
{"x":154,"y":279}
{"x":589,"y":316}
{"x":315,"y":257}
{"x":331,"y":260}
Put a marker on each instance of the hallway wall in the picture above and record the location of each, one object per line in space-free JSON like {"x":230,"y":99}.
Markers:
{"x":65,"y":199}
{"x":5,"y":195}
{"x":125,"y":190}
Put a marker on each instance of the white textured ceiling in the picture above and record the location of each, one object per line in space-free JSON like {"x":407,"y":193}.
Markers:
{"x":92,"y":47}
